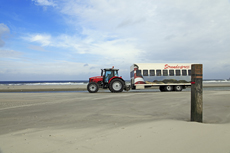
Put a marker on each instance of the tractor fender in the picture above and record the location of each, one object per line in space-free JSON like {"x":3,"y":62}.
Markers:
{"x":116,"y":78}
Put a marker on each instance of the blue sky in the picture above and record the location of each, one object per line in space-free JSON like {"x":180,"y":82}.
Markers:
{"x":74,"y":39}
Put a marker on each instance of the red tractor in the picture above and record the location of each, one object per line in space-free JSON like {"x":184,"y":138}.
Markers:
{"x":109,"y":79}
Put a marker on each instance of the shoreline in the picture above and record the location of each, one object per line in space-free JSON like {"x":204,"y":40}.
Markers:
{"x":28,"y":88}
{"x":25,"y":88}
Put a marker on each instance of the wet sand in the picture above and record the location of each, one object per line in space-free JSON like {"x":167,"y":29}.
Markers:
{"x":26,"y":88}
{"x":112,"y":122}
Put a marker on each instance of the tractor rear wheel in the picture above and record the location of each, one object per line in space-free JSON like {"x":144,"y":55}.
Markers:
{"x":116,"y":85}
{"x":92,"y":87}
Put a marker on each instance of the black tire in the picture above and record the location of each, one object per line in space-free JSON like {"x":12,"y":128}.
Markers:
{"x":92,"y":87}
{"x":168,"y":88}
{"x":110,"y":89}
{"x":116,"y":85}
{"x":178,"y":88}
{"x":162,"y":88}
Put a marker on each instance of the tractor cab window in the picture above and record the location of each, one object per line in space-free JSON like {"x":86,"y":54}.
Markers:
{"x":116,"y":73}
{"x":108,"y":75}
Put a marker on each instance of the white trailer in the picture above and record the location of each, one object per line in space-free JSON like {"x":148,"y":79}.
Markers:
{"x":167,"y":76}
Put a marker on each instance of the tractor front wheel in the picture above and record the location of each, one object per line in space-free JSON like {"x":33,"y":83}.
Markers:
{"x":92,"y":87}
{"x":116,"y":85}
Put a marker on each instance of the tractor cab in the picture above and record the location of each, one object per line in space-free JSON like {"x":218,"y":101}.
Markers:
{"x":107,"y":74}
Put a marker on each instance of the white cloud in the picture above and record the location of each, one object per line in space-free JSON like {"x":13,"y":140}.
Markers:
{"x":37,"y":48}
{"x":3,"y":30}
{"x":161,"y":28}
{"x":130,"y":31}
{"x":10,"y":54}
{"x":111,"y":51}
{"x":54,"y":70}
{"x":110,"y":16}
{"x":43,"y":39}
{"x":44,"y":2}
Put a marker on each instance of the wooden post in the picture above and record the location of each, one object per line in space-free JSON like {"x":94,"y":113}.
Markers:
{"x":197,"y":93}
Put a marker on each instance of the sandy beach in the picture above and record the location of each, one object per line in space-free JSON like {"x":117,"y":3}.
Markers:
{"x":105,"y":122}
{"x":26,"y":88}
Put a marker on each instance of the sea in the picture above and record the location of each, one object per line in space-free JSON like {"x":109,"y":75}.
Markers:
{"x":44,"y":83}
{"x":82,"y":82}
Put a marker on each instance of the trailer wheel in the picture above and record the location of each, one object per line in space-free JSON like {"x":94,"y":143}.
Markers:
{"x":168,"y":88}
{"x":92,"y":87}
{"x":162,"y":88}
{"x":178,"y":88}
{"x":116,"y":85}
